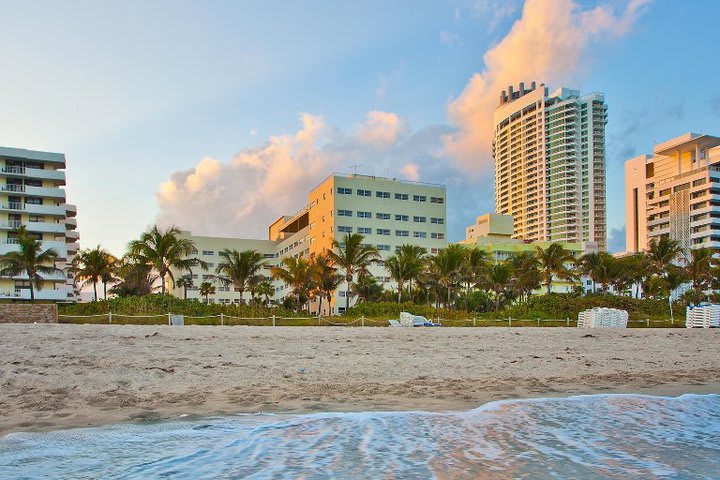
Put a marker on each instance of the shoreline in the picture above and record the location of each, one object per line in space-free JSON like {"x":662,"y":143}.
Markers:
{"x":72,"y":376}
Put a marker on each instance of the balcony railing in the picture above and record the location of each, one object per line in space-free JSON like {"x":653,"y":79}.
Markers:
{"x":12,"y":224}
{"x":11,"y":187}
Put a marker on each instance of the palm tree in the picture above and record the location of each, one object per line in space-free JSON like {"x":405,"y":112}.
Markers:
{"x":662,"y":253}
{"x":699,"y":268}
{"x":266,"y":289}
{"x":185,"y":282}
{"x":295,"y":272}
{"x":600,"y":267}
{"x":498,"y":278}
{"x":164,"y":251}
{"x":239,"y":267}
{"x":352,"y":257}
{"x":446,"y":268}
{"x":326,"y":279}
{"x":552,"y":264}
{"x":30,"y":260}
{"x":94,"y":265}
{"x":136,"y":279}
{"x":207,"y":289}
{"x":474,"y":266}
{"x":526,"y":273}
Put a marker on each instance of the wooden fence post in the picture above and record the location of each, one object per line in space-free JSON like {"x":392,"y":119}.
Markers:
{"x":567,"y":321}
{"x":169,"y":319}
{"x":474,"y":322}
{"x":538,"y":322}
{"x":273,"y":319}
{"x":509,"y":321}
{"x":109,"y":317}
{"x":222,"y":319}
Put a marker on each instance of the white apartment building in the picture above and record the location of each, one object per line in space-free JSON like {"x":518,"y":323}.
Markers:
{"x":388,"y":212}
{"x":549,"y":153}
{"x":675,"y":192}
{"x":32,"y":194}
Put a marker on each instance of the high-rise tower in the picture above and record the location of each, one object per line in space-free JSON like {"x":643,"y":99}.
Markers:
{"x":549,"y":152}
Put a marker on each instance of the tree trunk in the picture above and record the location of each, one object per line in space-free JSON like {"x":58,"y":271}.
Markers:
{"x":104,"y":290}
{"x":400,"y":286}
{"x":497,"y":300}
{"x":348,"y":280}
{"x":242,"y":292}
{"x":32,"y":293}
{"x":95,"y":291}
{"x":184,"y":293}
{"x":320,"y":297}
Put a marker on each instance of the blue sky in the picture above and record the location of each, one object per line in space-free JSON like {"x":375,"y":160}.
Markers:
{"x":141,"y":95}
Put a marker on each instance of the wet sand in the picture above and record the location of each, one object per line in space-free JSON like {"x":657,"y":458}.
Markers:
{"x":61,"y":376}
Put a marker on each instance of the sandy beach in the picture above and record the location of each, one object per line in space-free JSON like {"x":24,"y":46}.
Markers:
{"x":60,"y":376}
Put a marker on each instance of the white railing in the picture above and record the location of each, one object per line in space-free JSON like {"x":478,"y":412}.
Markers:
{"x":12,"y":188}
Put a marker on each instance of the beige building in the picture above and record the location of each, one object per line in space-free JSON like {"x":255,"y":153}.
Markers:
{"x":388,"y":212}
{"x":675,"y":193}
{"x":493,"y":233}
{"x":32,"y":195}
{"x":549,"y":152}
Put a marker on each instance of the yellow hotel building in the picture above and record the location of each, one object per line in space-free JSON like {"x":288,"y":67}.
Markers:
{"x":388,"y":212}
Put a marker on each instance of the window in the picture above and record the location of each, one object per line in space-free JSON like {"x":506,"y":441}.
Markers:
{"x":382,"y":231}
{"x":364,"y":230}
{"x":420,"y":234}
{"x":383,"y":248}
{"x":207,"y":277}
{"x":344,"y":213}
{"x":382,"y":216}
{"x":36,"y":219}
{"x":210,"y":265}
{"x":364,"y":214}
{"x":33,"y":201}
{"x":269,"y":255}
{"x":401,"y":218}
{"x":402,"y":233}
{"x":194,"y":276}
{"x":364,"y":193}
{"x":344,"y":191}
{"x":401,"y":196}
{"x":419,"y":198}
{"x":433,"y":250}
{"x":344,"y":229}
{"x":380,"y":194}
{"x":439,"y":236}
{"x":208,"y":253}
{"x":437,"y":200}
{"x":419,"y":219}
{"x":438,"y":221}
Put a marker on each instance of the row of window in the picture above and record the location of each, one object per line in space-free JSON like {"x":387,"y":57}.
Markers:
{"x":380,"y":194}
{"x":386,"y":231}
{"x":387,"y":216}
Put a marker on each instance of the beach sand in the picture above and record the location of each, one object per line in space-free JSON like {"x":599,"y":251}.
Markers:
{"x":60,"y":376}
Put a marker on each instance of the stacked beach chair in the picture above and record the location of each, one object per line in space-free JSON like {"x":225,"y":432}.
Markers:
{"x":705,"y":315}
{"x":600,"y":317}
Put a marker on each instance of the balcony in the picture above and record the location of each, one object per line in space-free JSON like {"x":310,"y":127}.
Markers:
{"x":44,"y":294}
{"x":54,"y":210}
{"x":51,"y":277}
{"x":72,"y":247}
{"x":70,"y":210}
{"x":34,"y":191}
{"x":11,"y":245}
{"x":13,"y":171}
{"x":45,"y":227}
{"x":72,"y":235}
{"x":71,"y":223}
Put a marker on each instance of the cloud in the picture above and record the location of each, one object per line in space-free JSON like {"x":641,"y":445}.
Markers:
{"x":380,"y":128}
{"x":411,"y":172}
{"x":546,"y":44}
{"x":242,"y":196}
{"x":450,"y":39}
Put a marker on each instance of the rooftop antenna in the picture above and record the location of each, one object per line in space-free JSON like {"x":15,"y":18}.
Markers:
{"x":355,"y":167}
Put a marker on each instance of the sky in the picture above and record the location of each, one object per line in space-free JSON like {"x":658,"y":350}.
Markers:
{"x":219,"y":116}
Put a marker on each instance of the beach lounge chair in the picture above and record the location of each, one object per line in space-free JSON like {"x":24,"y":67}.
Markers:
{"x":394,"y":323}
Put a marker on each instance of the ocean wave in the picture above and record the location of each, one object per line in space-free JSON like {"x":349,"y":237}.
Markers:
{"x":584,"y":437}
